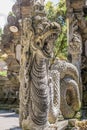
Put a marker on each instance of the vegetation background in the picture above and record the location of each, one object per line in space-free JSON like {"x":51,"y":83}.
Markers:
{"x":58,"y":13}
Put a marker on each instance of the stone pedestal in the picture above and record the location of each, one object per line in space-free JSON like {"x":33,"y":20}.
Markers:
{"x":59,"y":126}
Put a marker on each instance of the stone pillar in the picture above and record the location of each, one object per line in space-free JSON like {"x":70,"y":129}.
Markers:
{"x":75,"y":49}
{"x":75,"y":16}
{"x":37,"y":40}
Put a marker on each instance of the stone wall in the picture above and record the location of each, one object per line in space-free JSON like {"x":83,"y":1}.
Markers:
{"x":76,"y":17}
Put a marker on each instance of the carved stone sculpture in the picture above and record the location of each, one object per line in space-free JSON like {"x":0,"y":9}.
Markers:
{"x":79,"y":13}
{"x":75,"y":49}
{"x":54,"y":93}
{"x":75,"y":41}
{"x":69,"y":88}
{"x":36,"y":97}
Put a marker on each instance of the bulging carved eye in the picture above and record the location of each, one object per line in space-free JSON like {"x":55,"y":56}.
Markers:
{"x":38,"y":44}
{"x":45,"y":44}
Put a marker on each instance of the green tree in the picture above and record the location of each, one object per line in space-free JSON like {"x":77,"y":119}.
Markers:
{"x":58,"y":13}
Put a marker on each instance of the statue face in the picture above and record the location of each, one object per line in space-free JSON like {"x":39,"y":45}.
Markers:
{"x":45,"y":32}
{"x":46,"y":46}
{"x":75,"y":46}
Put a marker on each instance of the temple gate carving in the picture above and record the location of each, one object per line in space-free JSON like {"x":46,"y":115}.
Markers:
{"x":77,"y":24}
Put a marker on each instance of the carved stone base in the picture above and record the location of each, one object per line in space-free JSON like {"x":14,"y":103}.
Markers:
{"x":30,"y":125}
{"x":61,"y":125}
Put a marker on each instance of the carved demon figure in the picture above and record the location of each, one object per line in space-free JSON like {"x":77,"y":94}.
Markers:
{"x":40,"y":87}
{"x":38,"y":36}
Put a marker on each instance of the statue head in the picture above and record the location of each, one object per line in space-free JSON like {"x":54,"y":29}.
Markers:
{"x":75,"y":46}
{"x":45,"y":32}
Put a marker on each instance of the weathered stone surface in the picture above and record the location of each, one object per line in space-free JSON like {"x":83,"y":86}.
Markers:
{"x":38,"y":36}
{"x":69,"y":88}
{"x":10,"y":39}
{"x":16,"y":10}
{"x":81,"y":125}
{"x":72,"y":122}
{"x":78,"y":9}
{"x":11,"y":20}
{"x":76,"y":4}
{"x":61,"y":125}
{"x":8,"y":91}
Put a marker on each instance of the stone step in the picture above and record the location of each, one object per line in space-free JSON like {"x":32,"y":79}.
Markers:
{"x":61,"y":125}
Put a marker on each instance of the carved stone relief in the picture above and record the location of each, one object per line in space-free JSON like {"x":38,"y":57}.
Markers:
{"x":36,"y":87}
{"x":69,"y":88}
{"x":79,"y":13}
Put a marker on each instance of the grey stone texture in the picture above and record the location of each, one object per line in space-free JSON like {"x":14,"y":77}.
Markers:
{"x":36,"y":92}
{"x":77,"y":35}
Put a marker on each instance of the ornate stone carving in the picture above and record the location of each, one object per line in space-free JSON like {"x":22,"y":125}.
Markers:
{"x":37,"y":38}
{"x":79,"y":13}
{"x":10,"y":39}
{"x":69,"y":88}
{"x":54,"y":93}
{"x":9,"y":92}
{"x":75,"y":49}
{"x":75,"y":39}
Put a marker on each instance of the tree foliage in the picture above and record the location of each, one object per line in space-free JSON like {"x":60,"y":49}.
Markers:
{"x":58,"y":13}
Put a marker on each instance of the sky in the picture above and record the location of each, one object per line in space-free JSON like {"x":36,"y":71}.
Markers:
{"x":5,"y":8}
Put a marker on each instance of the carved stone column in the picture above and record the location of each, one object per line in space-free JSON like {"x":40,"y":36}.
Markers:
{"x":75,"y":49}
{"x":26,"y":38}
{"x":75,"y":16}
{"x":37,"y":37}
{"x":79,"y":11}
